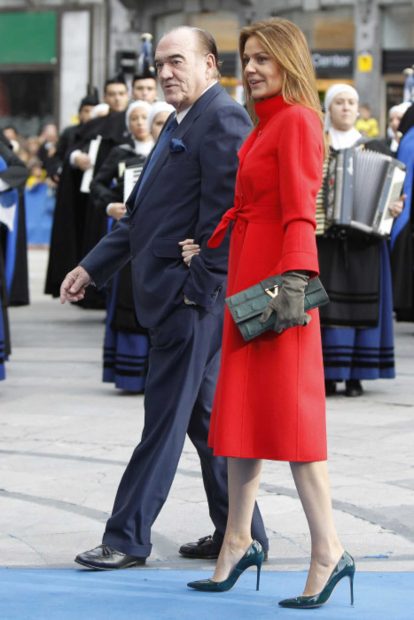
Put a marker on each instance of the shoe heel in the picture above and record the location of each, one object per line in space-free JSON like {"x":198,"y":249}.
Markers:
{"x":259,"y":566}
{"x":351,"y":585}
{"x":252,"y":557}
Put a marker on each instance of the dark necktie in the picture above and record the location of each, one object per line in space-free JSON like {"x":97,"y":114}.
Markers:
{"x":158,"y":149}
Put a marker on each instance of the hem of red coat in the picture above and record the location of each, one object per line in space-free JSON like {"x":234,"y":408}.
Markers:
{"x":234,"y":454}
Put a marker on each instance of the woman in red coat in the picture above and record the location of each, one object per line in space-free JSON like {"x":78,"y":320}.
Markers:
{"x":270,"y":399}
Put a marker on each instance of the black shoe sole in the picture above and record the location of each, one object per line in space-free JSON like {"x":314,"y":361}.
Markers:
{"x":94,"y":567}
{"x":210,"y":557}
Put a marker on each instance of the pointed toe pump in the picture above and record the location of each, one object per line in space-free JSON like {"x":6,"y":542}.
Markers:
{"x":344,"y":568}
{"x":253,"y":557}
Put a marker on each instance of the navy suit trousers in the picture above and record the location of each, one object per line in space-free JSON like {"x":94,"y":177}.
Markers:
{"x":183,"y":367}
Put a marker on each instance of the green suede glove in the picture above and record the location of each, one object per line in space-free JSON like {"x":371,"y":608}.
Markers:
{"x":288,"y":305}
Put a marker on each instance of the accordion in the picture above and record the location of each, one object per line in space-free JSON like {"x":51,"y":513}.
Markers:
{"x":359,"y":187}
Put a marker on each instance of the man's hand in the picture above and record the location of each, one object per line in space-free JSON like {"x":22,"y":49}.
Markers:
{"x":189,"y":249}
{"x":74,"y":285}
{"x":116,"y":210}
{"x":82,"y":161}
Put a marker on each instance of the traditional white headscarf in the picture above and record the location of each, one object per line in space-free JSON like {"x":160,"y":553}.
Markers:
{"x":141,"y":148}
{"x":340,"y":139}
{"x":401,"y":108}
{"x":330,"y":95}
{"x":156,"y":108}
{"x":139,"y":103}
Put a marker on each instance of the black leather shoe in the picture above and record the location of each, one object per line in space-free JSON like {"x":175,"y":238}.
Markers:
{"x":353,"y":388}
{"x":204,"y":549}
{"x":330,"y":387}
{"x":105,"y":557}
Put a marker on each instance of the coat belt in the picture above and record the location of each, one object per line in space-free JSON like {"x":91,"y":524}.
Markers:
{"x":247,"y":212}
{"x":219,"y":233}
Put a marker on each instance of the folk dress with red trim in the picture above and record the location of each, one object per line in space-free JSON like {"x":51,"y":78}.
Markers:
{"x":270,"y":397}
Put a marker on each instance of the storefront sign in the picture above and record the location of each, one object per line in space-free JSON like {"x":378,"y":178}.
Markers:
{"x":333,"y":63}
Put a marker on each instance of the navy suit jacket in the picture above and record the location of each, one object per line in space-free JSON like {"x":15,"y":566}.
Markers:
{"x":184,"y":196}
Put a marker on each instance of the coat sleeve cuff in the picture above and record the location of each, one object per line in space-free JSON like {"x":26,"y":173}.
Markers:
{"x":300,"y":261}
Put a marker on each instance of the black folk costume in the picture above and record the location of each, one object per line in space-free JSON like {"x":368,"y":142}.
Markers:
{"x":77,"y":225}
{"x":13,"y":176}
{"x":357,"y":327}
{"x":126,"y":345}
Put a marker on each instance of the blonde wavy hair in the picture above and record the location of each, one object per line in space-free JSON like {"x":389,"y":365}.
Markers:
{"x":286,"y":44}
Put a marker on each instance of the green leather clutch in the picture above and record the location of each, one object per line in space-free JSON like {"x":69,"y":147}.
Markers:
{"x":247,"y":306}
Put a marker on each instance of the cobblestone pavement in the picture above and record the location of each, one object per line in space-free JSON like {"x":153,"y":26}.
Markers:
{"x":66,"y":437}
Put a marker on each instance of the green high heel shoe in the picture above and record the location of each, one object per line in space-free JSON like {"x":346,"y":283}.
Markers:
{"x":253,"y":557}
{"x":344,"y":568}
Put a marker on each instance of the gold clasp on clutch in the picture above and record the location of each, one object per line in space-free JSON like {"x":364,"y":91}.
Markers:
{"x":272,"y":291}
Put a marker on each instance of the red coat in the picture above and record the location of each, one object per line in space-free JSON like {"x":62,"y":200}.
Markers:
{"x":270,"y":398}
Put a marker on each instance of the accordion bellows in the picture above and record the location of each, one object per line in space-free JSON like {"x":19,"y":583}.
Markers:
{"x":359,"y":187}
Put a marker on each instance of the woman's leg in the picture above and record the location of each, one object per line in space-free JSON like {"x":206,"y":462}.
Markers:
{"x":312,"y":484}
{"x":243,"y":483}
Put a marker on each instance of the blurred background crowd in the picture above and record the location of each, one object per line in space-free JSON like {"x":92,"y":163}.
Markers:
{"x":70,"y":152}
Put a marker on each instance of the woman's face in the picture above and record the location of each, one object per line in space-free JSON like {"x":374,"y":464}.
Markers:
{"x":261,"y":70}
{"x":158,"y":123}
{"x":394,"y":120}
{"x":344,"y":111}
{"x":138,"y":124}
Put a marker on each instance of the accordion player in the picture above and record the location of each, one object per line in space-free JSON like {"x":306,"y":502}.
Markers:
{"x":358,"y":188}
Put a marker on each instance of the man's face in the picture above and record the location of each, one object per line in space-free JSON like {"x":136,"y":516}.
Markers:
{"x":184,"y":71}
{"x":145,"y":90}
{"x":85,"y":113}
{"x":116,"y":96}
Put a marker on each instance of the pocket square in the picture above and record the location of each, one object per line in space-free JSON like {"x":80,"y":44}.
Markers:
{"x":177,"y":145}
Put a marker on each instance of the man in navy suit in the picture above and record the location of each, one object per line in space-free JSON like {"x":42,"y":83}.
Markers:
{"x":185,"y":187}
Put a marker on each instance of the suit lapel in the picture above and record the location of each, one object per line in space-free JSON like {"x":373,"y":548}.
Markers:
{"x":197,"y":109}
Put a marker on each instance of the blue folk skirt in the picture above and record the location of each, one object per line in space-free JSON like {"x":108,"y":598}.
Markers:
{"x":125,"y":354}
{"x":364,"y":353}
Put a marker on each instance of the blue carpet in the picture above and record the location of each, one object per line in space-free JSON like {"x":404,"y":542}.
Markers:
{"x":142,"y":594}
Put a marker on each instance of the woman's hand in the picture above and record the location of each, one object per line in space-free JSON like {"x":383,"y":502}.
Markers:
{"x":116,"y":210}
{"x":188,"y":250}
{"x":397,"y":206}
{"x":287,"y":306}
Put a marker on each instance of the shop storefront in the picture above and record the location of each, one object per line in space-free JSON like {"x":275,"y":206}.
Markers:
{"x":47,"y":59}
{"x":29,"y":70}
{"x":332,"y":66}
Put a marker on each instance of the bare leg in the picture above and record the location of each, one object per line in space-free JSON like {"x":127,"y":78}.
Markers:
{"x":243,"y":483}
{"x":312,"y":484}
